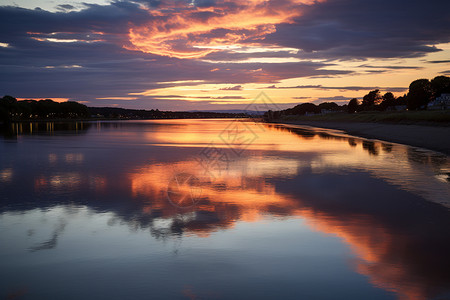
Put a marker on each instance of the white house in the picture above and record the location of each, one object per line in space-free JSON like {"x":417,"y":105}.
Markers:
{"x":441,"y":102}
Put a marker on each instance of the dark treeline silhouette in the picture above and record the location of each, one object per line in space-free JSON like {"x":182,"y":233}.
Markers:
{"x":13,"y":110}
{"x":421,"y":92}
{"x":27,"y":110}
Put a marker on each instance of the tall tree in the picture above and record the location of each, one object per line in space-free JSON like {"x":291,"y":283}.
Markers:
{"x":388,"y":97}
{"x":328,"y":106}
{"x":419,"y":94}
{"x":388,"y":100}
{"x":439,"y":85}
{"x":371,"y":99}
{"x":352,"y":106}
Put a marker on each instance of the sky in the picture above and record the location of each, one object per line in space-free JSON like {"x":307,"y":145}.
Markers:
{"x":218,"y":54}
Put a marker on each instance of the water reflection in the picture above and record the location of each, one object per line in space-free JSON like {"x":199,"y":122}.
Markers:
{"x":13,"y":130}
{"x":411,"y":169}
{"x":387,"y":202}
{"x":52,"y":241}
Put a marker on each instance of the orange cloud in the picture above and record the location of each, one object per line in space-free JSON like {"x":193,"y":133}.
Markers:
{"x":194,"y":32}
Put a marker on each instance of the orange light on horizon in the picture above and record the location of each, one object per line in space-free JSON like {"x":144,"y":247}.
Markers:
{"x":59,"y":100}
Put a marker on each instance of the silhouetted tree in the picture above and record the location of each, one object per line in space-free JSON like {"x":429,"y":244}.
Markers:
{"x":328,"y":106}
{"x":402,"y":100}
{"x":388,"y":100}
{"x":268,"y":116}
{"x":8,"y":108}
{"x":371,"y":99}
{"x":302,"y":109}
{"x":419,"y":94}
{"x":9,"y":100}
{"x":11,"y":109}
{"x":439,"y":85}
{"x":353,"y":106}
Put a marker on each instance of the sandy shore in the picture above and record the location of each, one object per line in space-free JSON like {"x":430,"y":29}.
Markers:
{"x":428,"y":137}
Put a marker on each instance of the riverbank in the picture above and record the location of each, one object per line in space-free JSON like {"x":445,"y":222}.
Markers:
{"x":420,"y":117}
{"x":425,"y":136}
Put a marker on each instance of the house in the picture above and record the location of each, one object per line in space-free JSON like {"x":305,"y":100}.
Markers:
{"x":441,"y":102}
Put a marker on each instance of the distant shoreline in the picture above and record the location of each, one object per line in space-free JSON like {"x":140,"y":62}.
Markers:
{"x":434,"y":138}
{"x":108,"y":119}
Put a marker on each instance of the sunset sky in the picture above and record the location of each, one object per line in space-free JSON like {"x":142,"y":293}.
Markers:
{"x":218,"y":54}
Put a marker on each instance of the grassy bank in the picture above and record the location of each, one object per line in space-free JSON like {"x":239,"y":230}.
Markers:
{"x":439,"y":118}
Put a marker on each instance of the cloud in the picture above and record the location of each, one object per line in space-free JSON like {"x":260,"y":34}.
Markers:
{"x":107,"y":68}
{"x":341,"y":88}
{"x":83,"y":54}
{"x":392,"y":67}
{"x":339,"y":99}
{"x":233,"y":88}
{"x":194,"y":31}
{"x":333,"y":98}
{"x":301,"y":98}
{"x":438,"y":61}
{"x":349,"y":29}
{"x":65,"y":7}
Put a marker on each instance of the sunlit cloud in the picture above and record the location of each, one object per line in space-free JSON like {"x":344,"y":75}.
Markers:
{"x":55,"y":40}
{"x":306,"y":50}
{"x":258,"y":60}
{"x":67,"y":37}
{"x":194,"y":32}
{"x":63,"y":67}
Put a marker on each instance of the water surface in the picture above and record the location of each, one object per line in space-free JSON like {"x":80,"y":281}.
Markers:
{"x":219,"y":209}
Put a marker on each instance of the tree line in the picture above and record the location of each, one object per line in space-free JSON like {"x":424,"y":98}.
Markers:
{"x":13,"y":110}
{"x":420,"y":93}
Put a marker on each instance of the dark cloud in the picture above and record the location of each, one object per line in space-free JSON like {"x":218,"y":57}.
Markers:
{"x":438,"y":61}
{"x":392,"y":67}
{"x":65,"y":7}
{"x":341,"y":88}
{"x":334,"y":98}
{"x":199,"y":97}
{"x":97,"y":65}
{"x":340,"y":99}
{"x":41,"y":68}
{"x":349,"y":29}
{"x":229,"y":97}
{"x":232,"y":88}
{"x":300,"y":98}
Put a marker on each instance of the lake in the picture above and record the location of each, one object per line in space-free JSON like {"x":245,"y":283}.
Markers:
{"x":219,"y":209}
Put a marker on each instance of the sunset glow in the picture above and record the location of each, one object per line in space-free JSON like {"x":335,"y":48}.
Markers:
{"x":178,"y":33}
{"x":296,"y":51}
{"x":225,"y":149}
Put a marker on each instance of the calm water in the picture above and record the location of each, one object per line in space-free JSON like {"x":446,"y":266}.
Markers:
{"x":219,"y":209}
